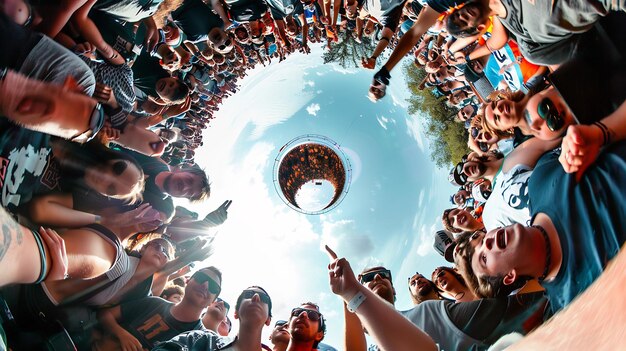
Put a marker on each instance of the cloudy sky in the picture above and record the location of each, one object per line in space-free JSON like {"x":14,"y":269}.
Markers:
{"x":388,"y":217}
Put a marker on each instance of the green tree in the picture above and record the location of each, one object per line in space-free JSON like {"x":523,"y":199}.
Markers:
{"x":447,"y":138}
{"x":347,"y":52}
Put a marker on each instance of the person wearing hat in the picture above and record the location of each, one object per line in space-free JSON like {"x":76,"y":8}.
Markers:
{"x":445,"y":244}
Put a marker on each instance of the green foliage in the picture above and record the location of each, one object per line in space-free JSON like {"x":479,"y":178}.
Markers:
{"x":348,"y":52}
{"x":447,"y":138}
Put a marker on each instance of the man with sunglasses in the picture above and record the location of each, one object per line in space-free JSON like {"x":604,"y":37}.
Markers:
{"x":215,"y":314}
{"x":144,"y":322}
{"x":280,"y":336}
{"x":306,"y":326}
{"x":254,"y":311}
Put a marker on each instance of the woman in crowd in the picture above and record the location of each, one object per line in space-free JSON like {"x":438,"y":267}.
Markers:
{"x":452,"y":284}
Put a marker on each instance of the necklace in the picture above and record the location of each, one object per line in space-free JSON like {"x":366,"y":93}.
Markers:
{"x":548,"y":252}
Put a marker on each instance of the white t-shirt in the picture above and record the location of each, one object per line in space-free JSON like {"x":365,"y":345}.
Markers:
{"x":509,"y":200}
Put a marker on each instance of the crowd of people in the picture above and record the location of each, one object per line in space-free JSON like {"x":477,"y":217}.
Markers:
{"x":103,"y":106}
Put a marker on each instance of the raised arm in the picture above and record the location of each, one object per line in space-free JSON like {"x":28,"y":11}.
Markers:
{"x":390,"y":329}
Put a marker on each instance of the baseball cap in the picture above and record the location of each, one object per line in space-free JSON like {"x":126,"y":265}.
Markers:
{"x":456,"y":176}
{"x":444,"y":244}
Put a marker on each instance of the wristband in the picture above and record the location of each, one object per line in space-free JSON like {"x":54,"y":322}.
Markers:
{"x":467,"y":58}
{"x":355,"y":302}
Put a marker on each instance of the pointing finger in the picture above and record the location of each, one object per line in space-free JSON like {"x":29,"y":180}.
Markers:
{"x":331,"y":253}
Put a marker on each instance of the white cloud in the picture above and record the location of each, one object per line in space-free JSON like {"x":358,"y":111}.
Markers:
{"x":342,"y":237}
{"x":313,"y":109}
{"x":414,"y":129}
{"x":309,"y":83}
{"x":382,"y":120}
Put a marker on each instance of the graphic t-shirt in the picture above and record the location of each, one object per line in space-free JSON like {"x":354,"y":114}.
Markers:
{"x":509,"y":199}
{"x":128,"y":10}
{"x":150,"y":321}
{"x":25,"y":165}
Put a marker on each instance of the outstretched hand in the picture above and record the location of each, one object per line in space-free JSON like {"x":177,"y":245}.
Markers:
{"x":342,"y":279}
{"x":218,"y":216}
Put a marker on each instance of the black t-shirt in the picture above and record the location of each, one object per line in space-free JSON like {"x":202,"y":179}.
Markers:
{"x":489,"y":319}
{"x":17,"y":42}
{"x":150,"y":321}
{"x":246,"y":10}
{"x":196,"y":19}
{"x":146,"y":72}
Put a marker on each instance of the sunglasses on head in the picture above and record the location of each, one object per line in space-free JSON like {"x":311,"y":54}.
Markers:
{"x":369,"y":276}
{"x":201,"y":277}
{"x":311,"y":314}
{"x":247,"y":294}
{"x":548,"y":112}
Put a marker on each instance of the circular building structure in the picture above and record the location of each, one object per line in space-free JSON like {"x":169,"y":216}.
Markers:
{"x":311,"y":174}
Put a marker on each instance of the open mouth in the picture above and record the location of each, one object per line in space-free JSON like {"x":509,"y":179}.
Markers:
{"x":501,"y":239}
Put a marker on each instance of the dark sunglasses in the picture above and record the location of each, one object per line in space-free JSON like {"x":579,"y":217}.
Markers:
{"x":96,"y":122}
{"x":119,"y":167}
{"x":311,"y":314}
{"x":226,"y":44}
{"x":280,"y":323}
{"x":369,"y":276}
{"x":548,"y":112}
{"x":226,"y":304}
{"x":247,"y":294}
{"x":201,"y":277}
{"x":474,"y":132}
{"x":162,"y":248}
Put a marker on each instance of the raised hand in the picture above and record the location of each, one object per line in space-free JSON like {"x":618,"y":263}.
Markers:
{"x":342,"y":279}
{"x":218,"y":216}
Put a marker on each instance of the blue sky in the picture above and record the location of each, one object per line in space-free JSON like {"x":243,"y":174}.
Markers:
{"x":388,"y":217}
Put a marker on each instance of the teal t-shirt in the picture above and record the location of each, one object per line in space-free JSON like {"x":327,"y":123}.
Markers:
{"x":589,"y":216}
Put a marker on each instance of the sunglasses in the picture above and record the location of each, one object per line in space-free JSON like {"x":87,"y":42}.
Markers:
{"x":248,"y":294}
{"x":474,"y":132}
{"x":369,"y":276}
{"x":311,"y":314}
{"x":96,"y":122}
{"x":280,"y":323}
{"x":548,"y":112}
{"x":226,"y":44}
{"x":226,"y":304}
{"x":201,"y":278}
{"x":160,"y":247}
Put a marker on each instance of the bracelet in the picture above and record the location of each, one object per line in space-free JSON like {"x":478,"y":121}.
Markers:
{"x":467,"y":58}
{"x":355,"y":302}
{"x":42,"y":254}
{"x":606,"y":135}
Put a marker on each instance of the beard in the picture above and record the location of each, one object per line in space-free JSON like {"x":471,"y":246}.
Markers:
{"x":425,"y":291}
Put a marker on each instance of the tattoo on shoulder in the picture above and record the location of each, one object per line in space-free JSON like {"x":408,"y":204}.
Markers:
{"x":5,"y":244}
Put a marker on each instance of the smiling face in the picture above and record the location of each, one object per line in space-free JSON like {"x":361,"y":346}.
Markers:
{"x":474,"y":170}
{"x":502,"y":114}
{"x":463,"y":220}
{"x":549,"y":104}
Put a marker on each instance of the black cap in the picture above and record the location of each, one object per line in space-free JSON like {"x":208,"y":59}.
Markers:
{"x":444,"y":244}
